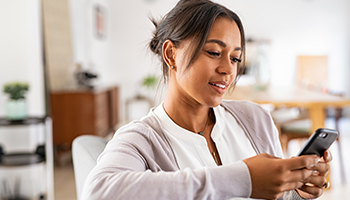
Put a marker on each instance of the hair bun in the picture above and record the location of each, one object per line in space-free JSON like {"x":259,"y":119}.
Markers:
{"x":154,"y":44}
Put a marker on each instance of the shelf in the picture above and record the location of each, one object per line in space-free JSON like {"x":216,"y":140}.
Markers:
{"x":19,"y":159}
{"x":26,"y":121}
{"x":43,"y":153}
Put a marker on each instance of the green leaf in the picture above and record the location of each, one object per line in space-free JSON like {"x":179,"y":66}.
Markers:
{"x":16,"y":90}
{"x":150,"y":81}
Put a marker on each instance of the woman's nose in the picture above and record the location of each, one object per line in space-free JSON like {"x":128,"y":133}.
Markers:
{"x":226,"y":67}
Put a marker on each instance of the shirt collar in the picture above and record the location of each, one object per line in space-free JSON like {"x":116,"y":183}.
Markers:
{"x":175,"y":130}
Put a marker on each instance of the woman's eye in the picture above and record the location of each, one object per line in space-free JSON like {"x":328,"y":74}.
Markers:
{"x":213,"y":53}
{"x":236,"y":60}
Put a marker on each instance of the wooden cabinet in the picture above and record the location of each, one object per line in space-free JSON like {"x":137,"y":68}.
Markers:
{"x":79,"y":112}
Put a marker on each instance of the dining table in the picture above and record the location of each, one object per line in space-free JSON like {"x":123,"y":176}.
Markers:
{"x":315,"y":102}
{"x":292,"y":96}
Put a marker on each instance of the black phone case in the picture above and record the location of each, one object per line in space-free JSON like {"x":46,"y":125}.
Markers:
{"x":317,"y":144}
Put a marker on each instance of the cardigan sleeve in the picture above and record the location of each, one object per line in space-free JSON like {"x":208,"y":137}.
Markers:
{"x":292,"y":194}
{"x":261,"y":129}
{"x":127,"y":170}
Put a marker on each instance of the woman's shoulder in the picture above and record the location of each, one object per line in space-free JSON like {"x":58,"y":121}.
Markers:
{"x":249,"y":114}
{"x":144,"y":127}
{"x":147,"y":130}
{"x":133,"y":127}
{"x":146,"y":137}
{"x":243,"y":106}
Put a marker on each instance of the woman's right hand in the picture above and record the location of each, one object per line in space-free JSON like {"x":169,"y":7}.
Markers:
{"x":272,"y":176}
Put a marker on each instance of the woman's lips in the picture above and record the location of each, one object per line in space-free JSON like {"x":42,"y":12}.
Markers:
{"x":220,"y":87}
{"x":223,"y":86}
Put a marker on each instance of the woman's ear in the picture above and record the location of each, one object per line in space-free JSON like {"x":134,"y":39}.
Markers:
{"x":169,"y":52}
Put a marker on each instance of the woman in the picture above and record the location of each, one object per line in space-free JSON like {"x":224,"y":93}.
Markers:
{"x":195,"y":145}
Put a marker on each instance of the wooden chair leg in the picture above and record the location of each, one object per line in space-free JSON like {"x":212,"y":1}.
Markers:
{"x":337,"y":117}
{"x":341,"y":163}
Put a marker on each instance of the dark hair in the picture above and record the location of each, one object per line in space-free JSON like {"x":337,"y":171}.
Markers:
{"x":192,"y":19}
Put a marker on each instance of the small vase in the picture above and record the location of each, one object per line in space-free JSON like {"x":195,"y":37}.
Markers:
{"x":260,"y":68}
{"x":16,"y":109}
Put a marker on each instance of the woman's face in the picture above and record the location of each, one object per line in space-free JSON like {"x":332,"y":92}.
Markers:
{"x":208,"y":78}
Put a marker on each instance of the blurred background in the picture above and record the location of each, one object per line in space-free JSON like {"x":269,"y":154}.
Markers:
{"x":76,"y":50}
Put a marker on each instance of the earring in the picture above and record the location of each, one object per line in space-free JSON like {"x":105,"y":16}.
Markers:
{"x":172,"y":67}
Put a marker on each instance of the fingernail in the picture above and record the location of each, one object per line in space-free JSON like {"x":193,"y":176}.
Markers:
{"x":314,"y":172}
{"x":317,"y":160}
{"x":310,"y":166}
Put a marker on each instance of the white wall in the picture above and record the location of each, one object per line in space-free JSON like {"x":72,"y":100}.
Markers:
{"x":293,"y":26}
{"x":21,"y":60}
{"x":21,"y":51}
{"x":300,"y":27}
{"x":122,"y":56}
{"x":132,"y":31}
{"x":89,"y":50}
{"x":311,"y":27}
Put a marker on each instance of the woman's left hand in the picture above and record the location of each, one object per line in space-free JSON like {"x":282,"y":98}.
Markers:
{"x":314,"y":185}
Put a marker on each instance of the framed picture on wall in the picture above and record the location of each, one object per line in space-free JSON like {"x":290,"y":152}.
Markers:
{"x":100,"y":21}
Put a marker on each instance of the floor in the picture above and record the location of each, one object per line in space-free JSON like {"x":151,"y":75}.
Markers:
{"x":65,"y":185}
{"x":64,"y":182}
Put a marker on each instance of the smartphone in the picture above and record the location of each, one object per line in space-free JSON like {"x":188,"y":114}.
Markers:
{"x":319,"y":142}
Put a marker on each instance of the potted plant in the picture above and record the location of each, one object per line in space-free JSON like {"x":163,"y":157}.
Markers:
{"x":148,"y":86}
{"x":140,"y":104}
{"x":150,"y":81}
{"x":16,"y":105}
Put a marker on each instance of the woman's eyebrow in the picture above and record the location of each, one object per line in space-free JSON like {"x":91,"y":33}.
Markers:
{"x":223,"y":44}
{"x":219,"y":42}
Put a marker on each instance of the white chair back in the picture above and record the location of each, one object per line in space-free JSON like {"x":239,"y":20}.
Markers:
{"x":85,"y":151}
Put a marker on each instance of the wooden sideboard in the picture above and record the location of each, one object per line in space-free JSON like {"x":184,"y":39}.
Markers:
{"x":80,"y":112}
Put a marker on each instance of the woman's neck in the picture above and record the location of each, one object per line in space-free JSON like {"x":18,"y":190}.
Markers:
{"x":189,"y":115}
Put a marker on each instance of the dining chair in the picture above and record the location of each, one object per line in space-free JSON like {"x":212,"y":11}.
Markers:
{"x":293,"y":123}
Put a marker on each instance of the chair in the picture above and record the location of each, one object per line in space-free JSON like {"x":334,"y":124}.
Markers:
{"x":294,"y":124}
{"x":85,"y":151}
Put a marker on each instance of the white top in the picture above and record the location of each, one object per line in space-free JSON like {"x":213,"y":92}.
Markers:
{"x":140,"y":151}
{"x":191,"y":149}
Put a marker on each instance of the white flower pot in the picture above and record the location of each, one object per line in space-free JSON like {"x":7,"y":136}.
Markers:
{"x":16,"y":109}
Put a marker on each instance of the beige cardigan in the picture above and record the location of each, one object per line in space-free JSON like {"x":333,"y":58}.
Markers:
{"x":139,"y":163}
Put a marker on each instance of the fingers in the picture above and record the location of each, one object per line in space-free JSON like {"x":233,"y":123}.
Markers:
{"x":313,"y":185}
{"x":327,"y":156}
{"x":319,"y":181}
{"x":292,"y":185}
{"x":300,"y":175}
{"x":311,"y":181}
{"x":300,"y":162}
{"x":322,"y":168}
{"x":270,"y":176}
{"x":315,"y":192}
{"x":308,"y":170}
